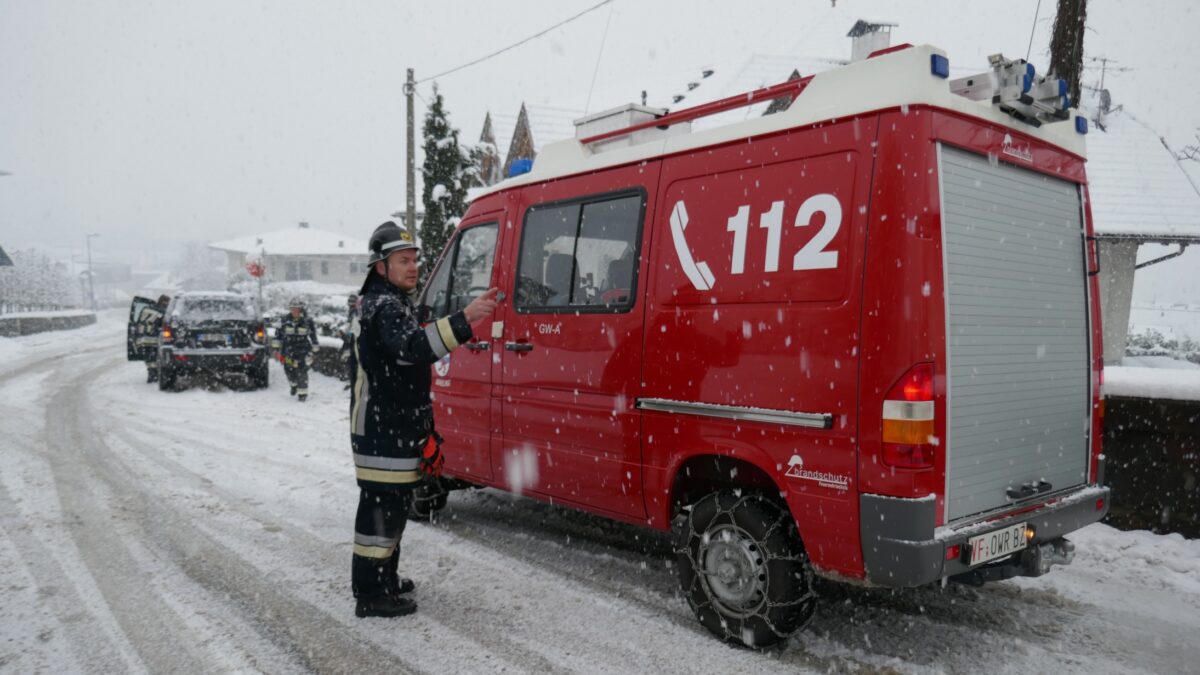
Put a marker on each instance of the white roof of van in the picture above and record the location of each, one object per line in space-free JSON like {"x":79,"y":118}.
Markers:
{"x":888,"y":81}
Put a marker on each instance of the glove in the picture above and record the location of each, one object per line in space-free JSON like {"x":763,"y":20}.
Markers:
{"x":432,"y":459}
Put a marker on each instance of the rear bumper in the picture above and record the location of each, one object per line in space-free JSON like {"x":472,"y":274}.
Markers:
{"x":902,"y":548}
{"x":223,"y":360}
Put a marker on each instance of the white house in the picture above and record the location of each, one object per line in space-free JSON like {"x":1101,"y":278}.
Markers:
{"x":1140,"y":195}
{"x":299,"y":254}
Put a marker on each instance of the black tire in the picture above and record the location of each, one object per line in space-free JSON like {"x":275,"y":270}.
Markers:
{"x":166,"y":379}
{"x":429,"y":497}
{"x":759,"y":590}
{"x":260,"y":378}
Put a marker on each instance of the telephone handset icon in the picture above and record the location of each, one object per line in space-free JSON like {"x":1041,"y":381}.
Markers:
{"x":697,"y":272}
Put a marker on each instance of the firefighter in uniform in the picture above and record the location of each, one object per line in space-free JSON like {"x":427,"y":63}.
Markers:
{"x":149,"y":324}
{"x":297,"y":338}
{"x":391,"y":417}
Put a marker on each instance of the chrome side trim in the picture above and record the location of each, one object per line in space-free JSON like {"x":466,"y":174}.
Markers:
{"x":787,"y":417}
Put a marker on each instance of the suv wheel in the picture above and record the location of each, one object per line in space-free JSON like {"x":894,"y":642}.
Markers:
{"x":166,"y":379}
{"x":260,"y":377}
{"x":744,"y":570}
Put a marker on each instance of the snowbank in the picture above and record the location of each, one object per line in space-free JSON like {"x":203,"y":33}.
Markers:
{"x":1174,"y":383}
{"x":28,"y":323}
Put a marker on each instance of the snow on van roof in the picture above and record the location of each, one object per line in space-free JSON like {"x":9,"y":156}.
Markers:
{"x":1138,"y":189}
{"x":888,"y":81}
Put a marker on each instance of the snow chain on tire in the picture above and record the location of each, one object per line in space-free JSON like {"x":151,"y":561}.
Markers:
{"x":743,"y":569}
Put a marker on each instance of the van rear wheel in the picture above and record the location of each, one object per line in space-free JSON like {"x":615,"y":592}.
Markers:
{"x":744,"y":570}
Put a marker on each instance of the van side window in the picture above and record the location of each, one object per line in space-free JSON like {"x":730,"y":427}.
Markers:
{"x":580,"y":255}
{"x":465,"y":270}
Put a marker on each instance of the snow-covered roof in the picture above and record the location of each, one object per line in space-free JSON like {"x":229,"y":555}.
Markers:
{"x":163,"y":283}
{"x":295,"y":241}
{"x":1138,"y":189}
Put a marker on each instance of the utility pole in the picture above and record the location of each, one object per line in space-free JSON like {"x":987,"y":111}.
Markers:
{"x":91,"y":277}
{"x":1066,"y":45}
{"x":410,"y":217}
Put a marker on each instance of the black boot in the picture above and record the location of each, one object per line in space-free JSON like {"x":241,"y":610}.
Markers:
{"x":303,"y":397}
{"x":293,"y":392}
{"x":383,"y":605}
{"x":398,"y":587}
{"x":151,"y":376}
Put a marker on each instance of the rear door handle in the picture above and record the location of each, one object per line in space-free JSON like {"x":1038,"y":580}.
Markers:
{"x":1028,"y":490}
{"x":518,"y":346}
{"x":478,"y":346}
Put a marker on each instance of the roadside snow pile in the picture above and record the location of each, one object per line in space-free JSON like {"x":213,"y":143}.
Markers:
{"x":1174,"y":383}
{"x":19,"y":351}
{"x":1166,"y":561}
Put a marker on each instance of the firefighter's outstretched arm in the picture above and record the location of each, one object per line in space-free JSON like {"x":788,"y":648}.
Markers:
{"x":407,"y":341}
{"x":481,"y":306}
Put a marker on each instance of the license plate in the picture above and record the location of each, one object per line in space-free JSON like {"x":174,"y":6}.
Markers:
{"x":997,"y":544}
{"x":213,"y":337}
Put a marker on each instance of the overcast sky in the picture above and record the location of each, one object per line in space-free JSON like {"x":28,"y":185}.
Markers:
{"x":156,"y":122}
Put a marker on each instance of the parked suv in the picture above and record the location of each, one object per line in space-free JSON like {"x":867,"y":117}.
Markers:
{"x":213,"y":332}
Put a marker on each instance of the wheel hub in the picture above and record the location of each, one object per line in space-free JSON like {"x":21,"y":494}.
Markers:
{"x":733,"y":570}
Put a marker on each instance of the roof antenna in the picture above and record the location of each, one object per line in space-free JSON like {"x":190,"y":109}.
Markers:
{"x":1033,"y":28}
{"x":588,"y":106}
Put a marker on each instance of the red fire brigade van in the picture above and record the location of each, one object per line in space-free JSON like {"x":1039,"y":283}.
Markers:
{"x":858,"y":338}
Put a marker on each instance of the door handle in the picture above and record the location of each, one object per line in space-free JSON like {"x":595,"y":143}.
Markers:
{"x":478,"y":346}
{"x":518,"y":346}
{"x":1028,"y":490}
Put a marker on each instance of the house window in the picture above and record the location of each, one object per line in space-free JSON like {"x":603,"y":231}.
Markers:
{"x":324,"y":268}
{"x":298,"y":270}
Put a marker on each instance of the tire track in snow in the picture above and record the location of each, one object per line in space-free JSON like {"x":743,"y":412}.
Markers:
{"x":320,"y":550}
{"x":612,"y":559}
{"x":66,"y":591}
{"x":299,"y":628}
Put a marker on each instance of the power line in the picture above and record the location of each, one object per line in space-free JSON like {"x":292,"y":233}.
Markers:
{"x":516,"y":44}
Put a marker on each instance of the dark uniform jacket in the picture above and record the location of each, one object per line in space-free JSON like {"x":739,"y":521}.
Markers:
{"x":391,"y":414}
{"x":297,"y":337}
{"x":149,"y":324}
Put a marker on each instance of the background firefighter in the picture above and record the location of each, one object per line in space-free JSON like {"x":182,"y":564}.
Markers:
{"x":297,"y":338}
{"x":391,"y":416}
{"x":149,"y":324}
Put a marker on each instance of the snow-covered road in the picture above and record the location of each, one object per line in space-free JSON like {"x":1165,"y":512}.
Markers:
{"x":209,"y":530}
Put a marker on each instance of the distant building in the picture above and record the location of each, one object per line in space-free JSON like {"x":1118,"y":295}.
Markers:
{"x":299,"y":254}
{"x":490,"y":169}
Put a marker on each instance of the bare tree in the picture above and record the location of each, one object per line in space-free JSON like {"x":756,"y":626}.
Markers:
{"x":1191,"y":152}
